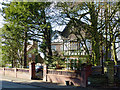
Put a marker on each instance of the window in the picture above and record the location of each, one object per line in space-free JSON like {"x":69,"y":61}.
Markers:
{"x":66,"y":46}
{"x":53,"y":47}
{"x":73,"y":45}
{"x":61,"y":47}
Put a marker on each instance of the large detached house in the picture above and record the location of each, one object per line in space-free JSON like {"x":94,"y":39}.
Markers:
{"x":72,"y":47}
{"x":67,"y":45}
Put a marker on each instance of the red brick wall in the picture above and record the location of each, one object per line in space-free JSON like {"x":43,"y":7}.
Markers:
{"x":63,"y":79}
{"x":78,"y":78}
{"x":19,"y":73}
{"x":14,"y":72}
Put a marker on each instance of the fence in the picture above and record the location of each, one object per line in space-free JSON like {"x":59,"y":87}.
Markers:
{"x":19,"y":72}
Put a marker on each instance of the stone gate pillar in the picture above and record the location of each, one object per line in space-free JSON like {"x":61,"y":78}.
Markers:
{"x":110,"y":72}
{"x":32,"y":70}
{"x":3,"y":71}
{"x":45,"y":73}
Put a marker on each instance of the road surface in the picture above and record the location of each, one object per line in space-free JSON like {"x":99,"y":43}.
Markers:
{"x":9,"y":85}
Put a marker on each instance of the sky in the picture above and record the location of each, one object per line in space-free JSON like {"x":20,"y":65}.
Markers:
{"x":1,"y":18}
{"x":57,"y":27}
{"x":1,"y":21}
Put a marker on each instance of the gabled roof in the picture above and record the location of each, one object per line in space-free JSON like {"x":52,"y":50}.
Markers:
{"x":56,"y":37}
{"x":70,"y":28}
{"x":54,"y":32}
{"x":66,"y":32}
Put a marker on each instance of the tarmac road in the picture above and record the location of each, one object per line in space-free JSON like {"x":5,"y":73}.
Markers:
{"x":9,"y":85}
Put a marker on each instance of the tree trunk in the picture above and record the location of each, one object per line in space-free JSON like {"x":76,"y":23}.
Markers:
{"x":101,"y":54}
{"x":25,"y":50}
{"x":95,"y":34}
{"x":47,"y":37}
{"x":106,"y":31}
{"x":114,"y":52}
{"x":96,"y":53}
{"x":12,"y":64}
{"x":49,"y":44}
{"x":21,"y":62}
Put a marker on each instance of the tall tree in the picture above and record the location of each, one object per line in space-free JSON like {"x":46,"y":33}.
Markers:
{"x":12,"y":44}
{"x":30,"y":18}
{"x":111,"y":30}
{"x":86,"y":15}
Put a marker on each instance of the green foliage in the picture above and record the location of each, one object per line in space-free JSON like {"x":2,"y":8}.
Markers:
{"x":0,"y":48}
{"x":57,"y":61}
{"x":31,"y":21}
{"x":71,"y":64}
{"x":79,"y":64}
{"x":11,"y":44}
{"x":75,"y":63}
{"x":95,"y":19}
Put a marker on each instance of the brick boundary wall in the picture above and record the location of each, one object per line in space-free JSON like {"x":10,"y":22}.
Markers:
{"x":77,"y":78}
{"x":19,"y":72}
